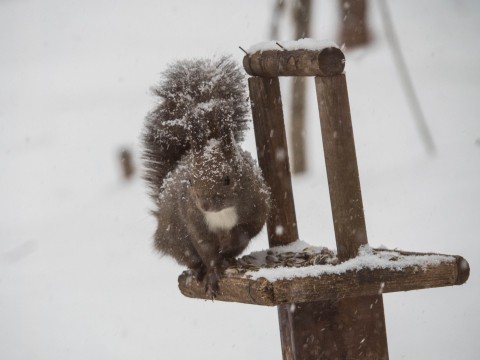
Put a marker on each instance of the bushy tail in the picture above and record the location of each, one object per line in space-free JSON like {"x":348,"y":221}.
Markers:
{"x":200,"y":99}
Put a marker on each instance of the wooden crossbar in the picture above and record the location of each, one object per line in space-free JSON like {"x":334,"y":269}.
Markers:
{"x":274,"y":63}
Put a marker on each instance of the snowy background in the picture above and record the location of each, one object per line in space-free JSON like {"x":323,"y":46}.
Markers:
{"x":78,"y":276}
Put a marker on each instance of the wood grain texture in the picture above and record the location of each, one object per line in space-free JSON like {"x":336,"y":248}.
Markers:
{"x":354,"y":328}
{"x":341,"y":163}
{"x":274,"y":63}
{"x":286,"y":331}
{"x":326,"y":330}
{"x":332,"y":287}
{"x":273,"y":159}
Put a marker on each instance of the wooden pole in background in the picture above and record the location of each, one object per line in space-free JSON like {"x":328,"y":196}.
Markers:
{"x":354,"y":23}
{"x":301,"y":16}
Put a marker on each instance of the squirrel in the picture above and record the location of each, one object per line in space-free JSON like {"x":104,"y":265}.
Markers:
{"x":210,"y":196}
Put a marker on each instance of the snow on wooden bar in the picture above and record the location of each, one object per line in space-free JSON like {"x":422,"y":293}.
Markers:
{"x":302,"y":44}
{"x":304,"y":57}
{"x":301,"y":273}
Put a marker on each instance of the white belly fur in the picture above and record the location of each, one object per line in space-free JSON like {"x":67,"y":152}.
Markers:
{"x":224,"y":219}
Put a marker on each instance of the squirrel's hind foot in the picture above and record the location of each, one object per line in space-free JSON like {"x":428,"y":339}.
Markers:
{"x":211,"y":284}
{"x":198,"y":272}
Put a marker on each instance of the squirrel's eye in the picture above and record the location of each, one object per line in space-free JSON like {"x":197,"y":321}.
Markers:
{"x":226,"y":180}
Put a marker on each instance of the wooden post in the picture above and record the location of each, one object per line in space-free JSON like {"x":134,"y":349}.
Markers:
{"x":269,"y":125}
{"x":362,"y":318}
{"x":341,"y":163}
{"x":350,"y":328}
{"x":272,"y":153}
{"x":346,"y":328}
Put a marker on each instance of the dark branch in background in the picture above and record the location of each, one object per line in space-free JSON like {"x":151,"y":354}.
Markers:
{"x":405,"y":78}
{"x":126,"y":162}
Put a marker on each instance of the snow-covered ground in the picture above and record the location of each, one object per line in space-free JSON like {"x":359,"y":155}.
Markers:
{"x":78,"y":276}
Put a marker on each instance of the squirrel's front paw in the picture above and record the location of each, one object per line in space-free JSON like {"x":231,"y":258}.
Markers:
{"x":229,"y":261}
{"x":211,"y":285}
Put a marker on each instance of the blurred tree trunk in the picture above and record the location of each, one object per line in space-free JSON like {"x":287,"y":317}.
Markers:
{"x":354,"y":29}
{"x":301,"y":18}
{"x":278,"y":10}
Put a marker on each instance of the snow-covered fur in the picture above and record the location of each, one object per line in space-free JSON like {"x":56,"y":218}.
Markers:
{"x":200,"y":99}
{"x":211,"y":198}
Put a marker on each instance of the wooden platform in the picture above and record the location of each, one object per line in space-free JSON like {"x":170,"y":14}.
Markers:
{"x":395,"y":271}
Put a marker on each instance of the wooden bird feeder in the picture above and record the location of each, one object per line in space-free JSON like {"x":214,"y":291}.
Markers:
{"x":333,"y":315}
